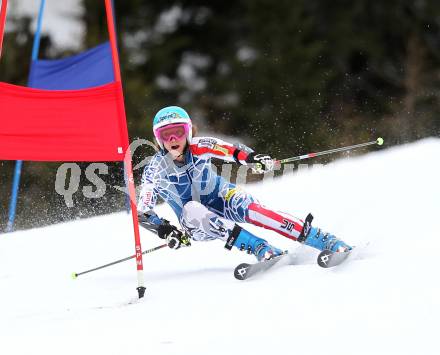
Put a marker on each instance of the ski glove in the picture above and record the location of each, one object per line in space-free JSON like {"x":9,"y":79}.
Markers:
{"x":175,"y":238}
{"x":260,"y":163}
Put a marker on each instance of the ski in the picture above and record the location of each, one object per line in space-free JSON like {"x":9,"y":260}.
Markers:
{"x":245,"y":270}
{"x":327,"y":258}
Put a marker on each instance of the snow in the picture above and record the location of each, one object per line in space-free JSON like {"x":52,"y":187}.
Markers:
{"x":386,"y":302}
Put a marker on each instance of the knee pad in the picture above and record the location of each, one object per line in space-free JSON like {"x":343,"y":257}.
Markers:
{"x":202,"y":224}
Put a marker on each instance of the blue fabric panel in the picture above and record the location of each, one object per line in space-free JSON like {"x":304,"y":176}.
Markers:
{"x":88,"y":69}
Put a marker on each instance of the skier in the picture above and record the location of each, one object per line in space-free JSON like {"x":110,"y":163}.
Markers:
{"x":208,"y":206}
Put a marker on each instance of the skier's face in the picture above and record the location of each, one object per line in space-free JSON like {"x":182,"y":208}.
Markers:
{"x":176,"y":146}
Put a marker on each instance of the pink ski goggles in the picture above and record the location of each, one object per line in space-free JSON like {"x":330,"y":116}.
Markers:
{"x":168,"y":132}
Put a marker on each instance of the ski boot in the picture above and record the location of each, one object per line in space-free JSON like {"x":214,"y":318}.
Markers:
{"x":319,"y":239}
{"x":245,"y":240}
{"x":325,"y":241}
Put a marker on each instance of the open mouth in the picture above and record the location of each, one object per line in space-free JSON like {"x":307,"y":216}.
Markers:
{"x":175,"y":147}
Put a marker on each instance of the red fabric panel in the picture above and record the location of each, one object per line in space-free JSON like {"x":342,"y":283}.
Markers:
{"x":73,"y":125}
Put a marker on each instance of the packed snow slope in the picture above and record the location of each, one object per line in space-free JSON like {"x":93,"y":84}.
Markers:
{"x":386,"y":301}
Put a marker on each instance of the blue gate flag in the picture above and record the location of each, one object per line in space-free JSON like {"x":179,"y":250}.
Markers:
{"x":91,"y":68}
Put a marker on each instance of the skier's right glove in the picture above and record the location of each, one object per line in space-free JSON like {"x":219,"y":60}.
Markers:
{"x":175,"y":238}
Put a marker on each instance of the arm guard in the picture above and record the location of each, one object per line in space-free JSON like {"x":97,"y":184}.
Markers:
{"x":214,"y":147}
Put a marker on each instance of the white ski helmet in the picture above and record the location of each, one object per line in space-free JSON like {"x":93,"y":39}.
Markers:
{"x":171,"y":115}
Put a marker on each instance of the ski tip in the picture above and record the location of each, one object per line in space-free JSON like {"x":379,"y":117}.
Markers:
{"x":327,"y":258}
{"x":324,"y":257}
{"x":240,"y":272}
{"x":74,"y":275}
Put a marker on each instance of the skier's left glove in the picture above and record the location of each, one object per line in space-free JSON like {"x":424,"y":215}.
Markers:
{"x":260,"y":163}
{"x":175,"y":238}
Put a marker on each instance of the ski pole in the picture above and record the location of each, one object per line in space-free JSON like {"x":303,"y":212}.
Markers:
{"x":378,"y":141}
{"x":75,"y":275}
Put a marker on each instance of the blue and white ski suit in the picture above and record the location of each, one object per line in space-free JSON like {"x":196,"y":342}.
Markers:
{"x":192,"y":189}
